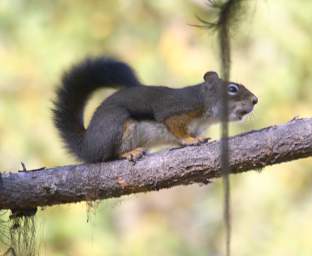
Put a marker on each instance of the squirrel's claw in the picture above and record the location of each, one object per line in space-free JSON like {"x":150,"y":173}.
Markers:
{"x":134,"y":154}
{"x":191,"y":141}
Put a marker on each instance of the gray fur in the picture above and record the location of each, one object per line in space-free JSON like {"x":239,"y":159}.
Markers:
{"x":146,"y":134}
{"x":149,"y":134}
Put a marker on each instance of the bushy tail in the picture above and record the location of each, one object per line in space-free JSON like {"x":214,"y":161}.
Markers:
{"x":77,"y":86}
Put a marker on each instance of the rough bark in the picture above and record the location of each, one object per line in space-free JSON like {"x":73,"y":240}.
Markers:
{"x":194,"y":164}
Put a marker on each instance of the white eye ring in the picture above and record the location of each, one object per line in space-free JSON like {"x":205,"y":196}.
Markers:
{"x":233,"y":89}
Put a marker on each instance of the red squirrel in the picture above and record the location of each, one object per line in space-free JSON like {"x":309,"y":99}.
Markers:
{"x":137,"y":117}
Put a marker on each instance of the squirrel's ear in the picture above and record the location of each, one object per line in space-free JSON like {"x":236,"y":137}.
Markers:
{"x":210,"y":76}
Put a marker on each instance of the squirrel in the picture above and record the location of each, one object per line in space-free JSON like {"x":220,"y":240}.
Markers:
{"x":137,"y":117}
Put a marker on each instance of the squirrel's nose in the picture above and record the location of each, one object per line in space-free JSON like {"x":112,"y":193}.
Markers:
{"x":254,"y":100}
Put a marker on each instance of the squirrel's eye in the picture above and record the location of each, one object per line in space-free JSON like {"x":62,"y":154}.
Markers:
{"x":233,"y":89}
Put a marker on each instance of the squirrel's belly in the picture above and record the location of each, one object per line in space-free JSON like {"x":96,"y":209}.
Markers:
{"x":199,"y":125}
{"x":145,"y":134}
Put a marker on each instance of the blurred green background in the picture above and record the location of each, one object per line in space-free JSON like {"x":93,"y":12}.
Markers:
{"x":272,"y":55}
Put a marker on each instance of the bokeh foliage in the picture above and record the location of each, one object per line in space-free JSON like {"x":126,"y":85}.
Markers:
{"x":272,"y":55}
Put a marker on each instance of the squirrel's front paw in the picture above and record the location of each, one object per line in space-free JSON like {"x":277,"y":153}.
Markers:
{"x":134,"y":154}
{"x":193,"y":141}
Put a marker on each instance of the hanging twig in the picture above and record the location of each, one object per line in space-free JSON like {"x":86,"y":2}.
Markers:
{"x":229,"y":13}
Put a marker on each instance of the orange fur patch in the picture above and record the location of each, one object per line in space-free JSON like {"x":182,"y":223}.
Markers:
{"x":178,"y":124}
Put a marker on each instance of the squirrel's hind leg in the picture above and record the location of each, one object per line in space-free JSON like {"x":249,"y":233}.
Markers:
{"x":131,"y":147}
{"x":104,"y":135}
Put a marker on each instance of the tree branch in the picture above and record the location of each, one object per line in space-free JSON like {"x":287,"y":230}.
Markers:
{"x":196,"y":164}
